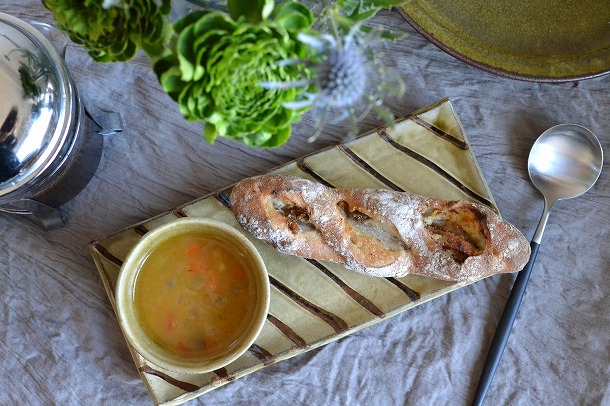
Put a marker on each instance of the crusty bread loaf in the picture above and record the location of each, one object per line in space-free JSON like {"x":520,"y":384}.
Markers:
{"x":379,"y":232}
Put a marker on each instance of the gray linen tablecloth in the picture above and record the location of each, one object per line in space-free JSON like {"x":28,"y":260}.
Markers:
{"x":60,"y":342}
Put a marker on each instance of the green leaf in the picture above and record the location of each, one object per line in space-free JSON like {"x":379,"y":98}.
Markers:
{"x":189,"y":19}
{"x":287,"y":9}
{"x":257,"y":139}
{"x":254,"y":11}
{"x":164,"y":64}
{"x":213,"y":21}
{"x":294,"y":21}
{"x":166,"y":7}
{"x":356,"y":6}
{"x":155,"y":49}
{"x":278,"y":138}
{"x":209,"y":133}
{"x":388,"y":3}
{"x":185,"y":53}
{"x":384,"y":114}
{"x":363,"y":16}
{"x":268,"y":6}
{"x":349,"y":6}
{"x":170,"y":81}
{"x":385,"y":34}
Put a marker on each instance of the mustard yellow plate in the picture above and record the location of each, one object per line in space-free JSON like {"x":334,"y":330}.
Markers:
{"x":546,"y":41}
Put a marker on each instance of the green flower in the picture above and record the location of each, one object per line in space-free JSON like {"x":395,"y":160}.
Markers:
{"x":218,"y":64}
{"x":114,"y":30}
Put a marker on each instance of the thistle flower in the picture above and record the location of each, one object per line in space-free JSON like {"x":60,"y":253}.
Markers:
{"x":341,"y":75}
{"x":348,"y":79}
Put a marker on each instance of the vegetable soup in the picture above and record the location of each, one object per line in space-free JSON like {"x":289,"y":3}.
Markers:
{"x":194,"y":295}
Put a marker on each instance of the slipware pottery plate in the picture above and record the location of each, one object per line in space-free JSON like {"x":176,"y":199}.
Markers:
{"x":314,"y":303}
{"x":544,"y":41}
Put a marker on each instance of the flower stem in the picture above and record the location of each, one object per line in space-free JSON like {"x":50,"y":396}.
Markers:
{"x":331,"y":10}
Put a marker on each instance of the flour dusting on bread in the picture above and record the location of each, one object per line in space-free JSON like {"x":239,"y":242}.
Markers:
{"x":379,"y":232}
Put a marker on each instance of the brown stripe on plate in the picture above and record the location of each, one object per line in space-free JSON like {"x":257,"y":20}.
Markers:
{"x":413,"y":295}
{"x":308,"y":170}
{"x":262,"y":354}
{"x":223,"y":374}
{"x":336,"y":322}
{"x":287,"y":331}
{"x":185,"y":386}
{"x":361,"y":300}
{"x":179,"y":213}
{"x":361,"y":163}
{"x":140,"y":230}
{"x":440,"y":171}
{"x":106,"y":254}
{"x":440,"y":133}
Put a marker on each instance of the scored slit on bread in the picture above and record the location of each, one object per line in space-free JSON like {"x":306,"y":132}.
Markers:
{"x":372,"y":241}
{"x":462,"y":231}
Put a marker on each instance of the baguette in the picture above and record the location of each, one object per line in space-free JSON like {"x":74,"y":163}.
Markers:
{"x":379,"y":232}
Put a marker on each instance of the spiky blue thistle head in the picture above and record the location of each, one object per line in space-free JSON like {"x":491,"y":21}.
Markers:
{"x":347,"y":80}
{"x":341,"y":76}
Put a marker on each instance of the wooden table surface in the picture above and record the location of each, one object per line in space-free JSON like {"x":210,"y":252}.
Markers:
{"x":59,"y":338}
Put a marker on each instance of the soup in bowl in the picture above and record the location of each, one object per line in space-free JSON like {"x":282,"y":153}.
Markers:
{"x":192,"y":295}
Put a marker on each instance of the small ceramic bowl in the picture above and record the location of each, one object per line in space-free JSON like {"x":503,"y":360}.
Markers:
{"x":125,"y":295}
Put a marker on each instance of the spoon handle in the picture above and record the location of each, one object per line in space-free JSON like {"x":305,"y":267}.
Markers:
{"x":504,"y":327}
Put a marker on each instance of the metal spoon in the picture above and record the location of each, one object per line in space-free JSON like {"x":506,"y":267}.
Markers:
{"x":565,"y":161}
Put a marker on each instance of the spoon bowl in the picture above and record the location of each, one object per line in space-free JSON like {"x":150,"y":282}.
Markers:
{"x":565,"y":162}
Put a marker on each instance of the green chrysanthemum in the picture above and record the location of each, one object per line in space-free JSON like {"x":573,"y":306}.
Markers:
{"x":114,"y":30}
{"x":218,"y":65}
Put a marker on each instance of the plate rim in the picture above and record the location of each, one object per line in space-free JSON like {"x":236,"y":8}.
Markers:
{"x":494,"y":69}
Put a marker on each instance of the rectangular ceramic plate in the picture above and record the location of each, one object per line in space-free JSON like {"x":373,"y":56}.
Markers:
{"x":314,"y":303}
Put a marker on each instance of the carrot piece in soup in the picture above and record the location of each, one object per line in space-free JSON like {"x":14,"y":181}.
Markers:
{"x":239,"y":273}
{"x":170,"y":322}
{"x":192,"y":250}
{"x":196,"y":266}
{"x":182,"y":347}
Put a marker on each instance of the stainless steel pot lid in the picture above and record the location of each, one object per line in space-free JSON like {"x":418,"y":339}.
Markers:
{"x":38,"y":104}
